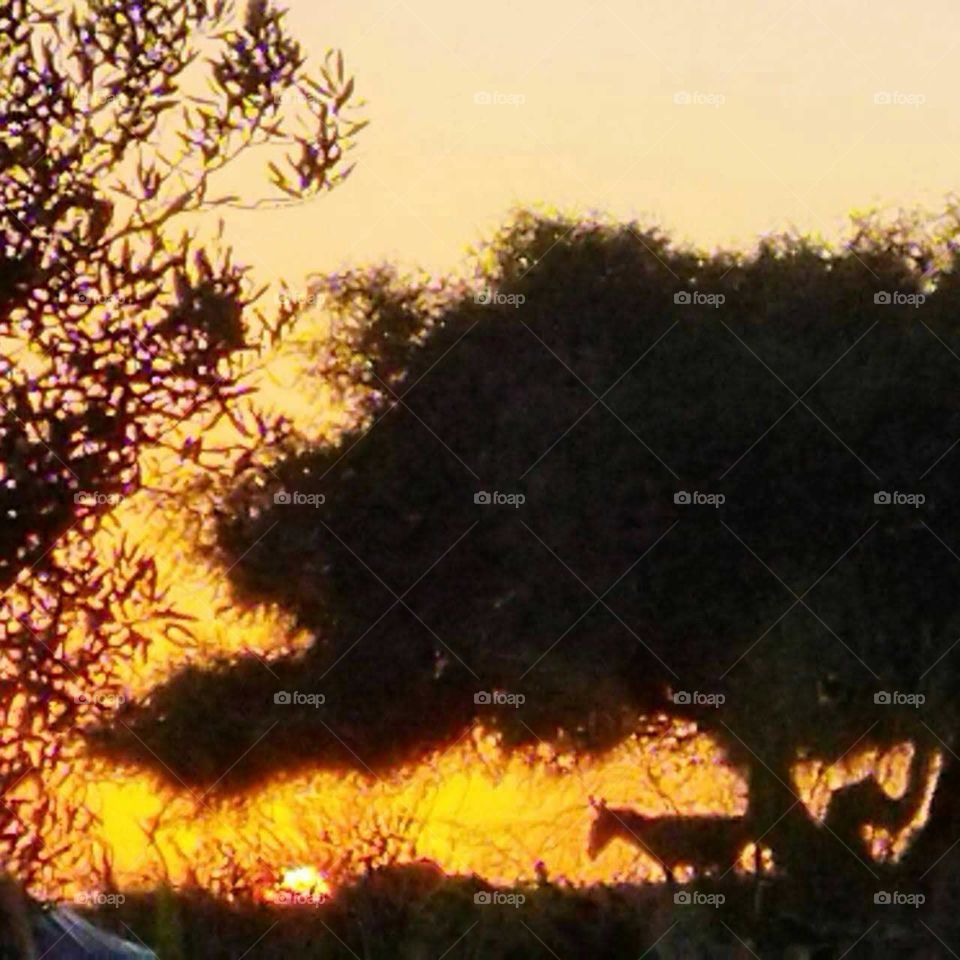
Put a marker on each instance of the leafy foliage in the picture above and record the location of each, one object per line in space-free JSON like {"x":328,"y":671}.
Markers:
{"x":115,"y":327}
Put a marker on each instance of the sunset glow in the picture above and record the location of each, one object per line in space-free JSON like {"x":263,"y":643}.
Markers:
{"x":478,"y":482}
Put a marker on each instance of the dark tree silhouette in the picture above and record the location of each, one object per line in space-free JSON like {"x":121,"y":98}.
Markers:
{"x":115,"y":327}
{"x":605,"y":374}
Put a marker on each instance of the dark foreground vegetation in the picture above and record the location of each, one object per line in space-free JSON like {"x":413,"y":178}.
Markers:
{"x":413,"y":913}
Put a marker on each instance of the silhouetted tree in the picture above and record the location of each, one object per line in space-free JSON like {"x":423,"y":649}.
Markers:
{"x":115,"y":326}
{"x":604,"y":374}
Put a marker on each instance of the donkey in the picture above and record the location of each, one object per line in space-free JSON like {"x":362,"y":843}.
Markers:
{"x":706,"y":843}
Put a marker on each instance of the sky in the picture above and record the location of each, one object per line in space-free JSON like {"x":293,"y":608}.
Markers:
{"x":716,"y":120}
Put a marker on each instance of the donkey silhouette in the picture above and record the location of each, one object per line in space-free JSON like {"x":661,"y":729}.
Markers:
{"x":708,"y":844}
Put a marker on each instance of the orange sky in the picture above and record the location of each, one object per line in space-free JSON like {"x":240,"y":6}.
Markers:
{"x":784,"y":128}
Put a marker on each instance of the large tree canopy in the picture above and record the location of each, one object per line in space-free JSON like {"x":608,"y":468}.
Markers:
{"x":607,"y":376}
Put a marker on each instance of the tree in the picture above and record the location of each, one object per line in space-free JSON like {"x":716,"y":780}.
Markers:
{"x":621,"y":386}
{"x":116,"y":327}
